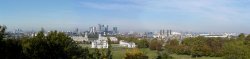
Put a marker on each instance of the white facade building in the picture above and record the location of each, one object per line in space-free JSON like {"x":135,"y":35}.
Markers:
{"x":113,"y":39}
{"x":127,"y":44}
{"x":102,"y":42}
{"x":80,"y":38}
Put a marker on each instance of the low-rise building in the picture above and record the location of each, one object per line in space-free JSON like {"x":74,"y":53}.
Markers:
{"x":113,"y":39}
{"x":127,"y":44}
{"x":80,"y":38}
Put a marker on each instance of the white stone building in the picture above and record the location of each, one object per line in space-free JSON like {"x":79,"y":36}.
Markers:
{"x":113,"y":39}
{"x":101,"y":42}
{"x":80,"y":38}
{"x":127,"y":44}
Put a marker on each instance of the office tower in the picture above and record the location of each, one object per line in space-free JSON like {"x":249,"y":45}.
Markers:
{"x":106,"y":28}
{"x":92,"y":30}
{"x":162,"y":32}
{"x":170,"y":32}
{"x":101,"y":28}
{"x":115,"y":30}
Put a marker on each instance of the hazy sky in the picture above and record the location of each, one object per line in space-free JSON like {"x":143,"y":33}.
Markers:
{"x":136,"y":15}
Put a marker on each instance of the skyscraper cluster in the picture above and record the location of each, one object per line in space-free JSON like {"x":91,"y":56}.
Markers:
{"x":103,"y":29}
{"x":163,"y":32}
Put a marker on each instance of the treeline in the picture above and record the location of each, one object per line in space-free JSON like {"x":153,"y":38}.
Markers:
{"x":55,"y":45}
{"x":228,"y":48}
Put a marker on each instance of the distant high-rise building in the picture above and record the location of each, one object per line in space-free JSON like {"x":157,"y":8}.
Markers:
{"x":115,"y":30}
{"x":92,"y":30}
{"x":169,"y":32}
{"x":106,"y":28}
{"x":101,"y":28}
{"x":162,"y":32}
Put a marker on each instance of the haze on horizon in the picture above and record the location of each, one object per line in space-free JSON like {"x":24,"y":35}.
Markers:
{"x":135,"y":15}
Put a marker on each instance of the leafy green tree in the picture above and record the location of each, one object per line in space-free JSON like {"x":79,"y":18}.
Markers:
{"x":236,"y":49}
{"x":247,"y":40}
{"x":109,"y":52}
{"x":172,"y":46}
{"x":55,"y":45}
{"x":2,"y":32}
{"x":96,"y":54}
{"x":241,"y":36}
{"x":215,"y":44}
{"x":9,"y":48}
{"x":199,"y":47}
{"x":142,"y":43}
{"x":163,"y":55}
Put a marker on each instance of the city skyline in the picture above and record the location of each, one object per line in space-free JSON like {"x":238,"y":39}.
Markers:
{"x":127,"y":15}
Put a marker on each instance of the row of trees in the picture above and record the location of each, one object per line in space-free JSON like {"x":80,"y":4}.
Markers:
{"x":144,"y":43}
{"x":55,"y":45}
{"x":229,"y":48}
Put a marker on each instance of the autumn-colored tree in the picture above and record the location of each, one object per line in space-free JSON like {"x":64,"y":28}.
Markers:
{"x":172,"y":46}
{"x":135,"y":54}
{"x":155,"y":45}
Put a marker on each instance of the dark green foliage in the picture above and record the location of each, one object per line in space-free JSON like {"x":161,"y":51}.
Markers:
{"x":109,"y":53}
{"x":2,"y":32}
{"x":236,"y":49}
{"x":143,"y":43}
{"x":54,"y":46}
{"x":241,"y":36}
{"x":10,"y":49}
{"x":163,"y":55}
{"x":247,"y":40}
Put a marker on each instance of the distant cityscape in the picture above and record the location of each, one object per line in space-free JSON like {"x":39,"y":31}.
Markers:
{"x":105,"y":30}
{"x":98,"y":35}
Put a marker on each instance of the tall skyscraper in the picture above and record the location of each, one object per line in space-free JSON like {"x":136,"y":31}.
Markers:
{"x":162,"y":32}
{"x":101,"y":28}
{"x":92,"y":30}
{"x":106,"y":28}
{"x":115,"y":30}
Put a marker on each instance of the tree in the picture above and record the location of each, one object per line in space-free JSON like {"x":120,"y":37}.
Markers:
{"x":247,"y":40}
{"x":9,"y":48}
{"x":55,"y":45}
{"x":199,"y":47}
{"x":142,"y":43}
{"x":2,"y":32}
{"x":163,"y":55}
{"x":215,"y":45}
{"x":172,"y":46}
{"x":109,"y":53}
{"x":236,"y":49}
{"x":135,"y":54}
{"x":241,"y":36}
{"x":155,"y":45}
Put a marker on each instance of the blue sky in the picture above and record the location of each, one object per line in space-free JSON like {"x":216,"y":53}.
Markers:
{"x":128,"y":15}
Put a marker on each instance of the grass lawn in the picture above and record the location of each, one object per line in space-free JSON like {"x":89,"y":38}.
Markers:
{"x":189,"y":57}
{"x":119,"y":53}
